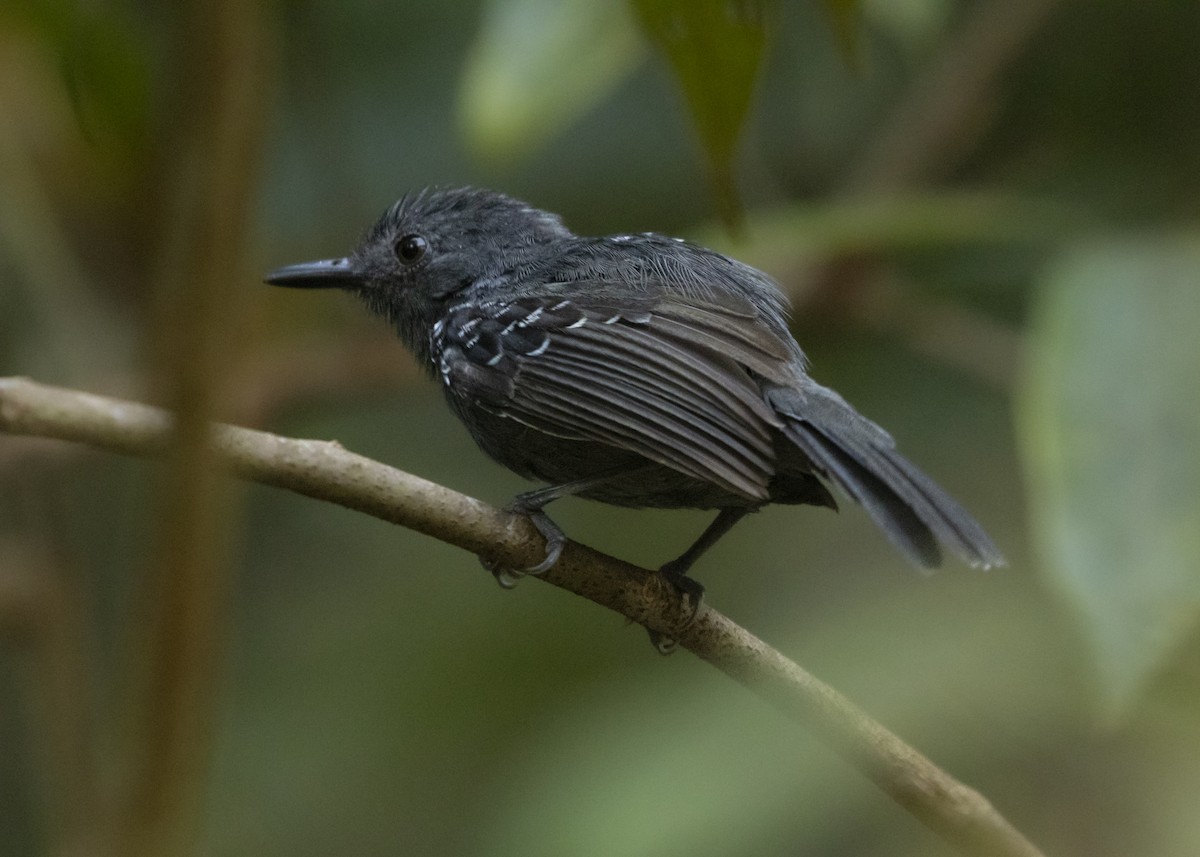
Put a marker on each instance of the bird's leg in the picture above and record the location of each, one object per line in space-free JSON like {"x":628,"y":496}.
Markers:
{"x":531,"y":504}
{"x":675,"y":571}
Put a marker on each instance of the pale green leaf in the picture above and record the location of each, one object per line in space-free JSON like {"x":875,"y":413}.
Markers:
{"x":1111,"y":419}
{"x":715,"y":48}
{"x":539,"y":64}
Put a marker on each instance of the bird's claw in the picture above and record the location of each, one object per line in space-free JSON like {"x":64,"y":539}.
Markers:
{"x":691,"y":592}
{"x":556,"y":540}
{"x":506,"y":577}
{"x":663,"y":644}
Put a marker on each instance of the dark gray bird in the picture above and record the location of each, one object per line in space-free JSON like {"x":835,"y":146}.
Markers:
{"x":637,"y":370}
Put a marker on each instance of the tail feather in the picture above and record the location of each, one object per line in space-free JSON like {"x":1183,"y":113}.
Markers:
{"x":861,"y":459}
{"x":950,"y":522}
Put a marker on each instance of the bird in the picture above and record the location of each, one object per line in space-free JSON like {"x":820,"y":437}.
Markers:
{"x":638,"y":370}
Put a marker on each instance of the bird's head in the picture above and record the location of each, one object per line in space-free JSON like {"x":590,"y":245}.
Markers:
{"x":428,"y":248}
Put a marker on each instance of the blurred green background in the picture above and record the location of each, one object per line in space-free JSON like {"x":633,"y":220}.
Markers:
{"x":985,"y":214}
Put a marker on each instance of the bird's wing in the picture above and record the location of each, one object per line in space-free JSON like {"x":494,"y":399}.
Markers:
{"x":674,"y":379}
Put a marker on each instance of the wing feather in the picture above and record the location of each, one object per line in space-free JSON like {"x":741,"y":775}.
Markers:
{"x":672,"y":380}
{"x":703,"y":373}
{"x":667,"y":408}
{"x":586,"y":367}
{"x":609,"y":424}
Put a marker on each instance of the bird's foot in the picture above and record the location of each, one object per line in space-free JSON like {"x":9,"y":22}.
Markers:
{"x":691,"y":593}
{"x":556,"y":540}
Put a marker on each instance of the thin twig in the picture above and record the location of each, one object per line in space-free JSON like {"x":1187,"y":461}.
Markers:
{"x":325,"y":471}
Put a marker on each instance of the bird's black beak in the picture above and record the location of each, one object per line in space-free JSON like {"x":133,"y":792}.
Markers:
{"x":325,"y":274}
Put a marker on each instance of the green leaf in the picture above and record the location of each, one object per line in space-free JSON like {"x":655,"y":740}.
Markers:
{"x":1111,"y":430}
{"x":536,"y":66}
{"x":776,"y":238}
{"x":104,"y":60}
{"x":715,"y":48}
{"x":844,"y":14}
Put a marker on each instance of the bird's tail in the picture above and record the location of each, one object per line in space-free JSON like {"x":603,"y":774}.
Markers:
{"x":861,"y":459}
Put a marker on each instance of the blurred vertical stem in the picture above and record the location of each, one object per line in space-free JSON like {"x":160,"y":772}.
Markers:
{"x":209,"y":167}
{"x":42,"y":608}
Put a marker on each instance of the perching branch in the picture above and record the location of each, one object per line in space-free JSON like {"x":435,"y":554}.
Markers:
{"x":325,"y":471}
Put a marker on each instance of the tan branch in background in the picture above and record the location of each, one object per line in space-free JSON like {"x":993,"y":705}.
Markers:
{"x":950,"y":106}
{"x":210,"y":140}
{"x":325,"y":471}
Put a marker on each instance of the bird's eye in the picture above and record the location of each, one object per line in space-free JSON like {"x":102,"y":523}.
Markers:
{"x":410,"y":249}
